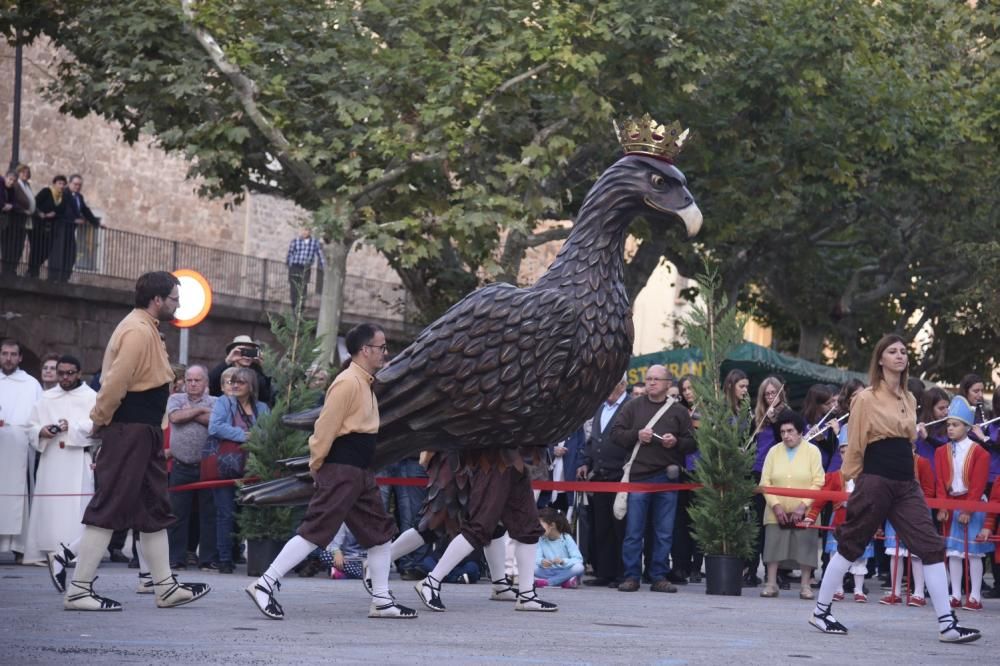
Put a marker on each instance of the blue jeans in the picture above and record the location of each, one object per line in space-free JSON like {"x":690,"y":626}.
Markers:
{"x":558,"y":575}
{"x":663,"y":507}
{"x":225,"y":508}
{"x":409,"y":499}
{"x":180,"y":506}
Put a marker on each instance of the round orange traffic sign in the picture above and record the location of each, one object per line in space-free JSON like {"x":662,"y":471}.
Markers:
{"x":195,"y":298}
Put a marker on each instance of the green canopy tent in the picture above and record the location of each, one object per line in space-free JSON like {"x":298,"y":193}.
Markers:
{"x":758,"y":362}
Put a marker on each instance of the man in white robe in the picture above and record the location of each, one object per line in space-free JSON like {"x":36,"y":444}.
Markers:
{"x":19,"y":392}
{"x":64,"y":482}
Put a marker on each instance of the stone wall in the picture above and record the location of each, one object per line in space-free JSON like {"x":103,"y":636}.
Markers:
{"x":141,"y":188}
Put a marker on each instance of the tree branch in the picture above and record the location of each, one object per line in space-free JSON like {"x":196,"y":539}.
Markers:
{"x":504,"y":87}
{"x":543,"y":237}
{"x":389,"y":177}
{"x":246,"y":92}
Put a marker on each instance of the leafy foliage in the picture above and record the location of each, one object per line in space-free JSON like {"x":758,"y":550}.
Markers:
{"x":844,"y":151}
{"x":270,"y":441}
{"x":719,"y":513}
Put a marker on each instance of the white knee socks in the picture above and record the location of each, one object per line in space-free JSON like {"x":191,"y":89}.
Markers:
{"x":156,"y":549}
{"x":859,"y":583}
{"x":833,"y":578}
{"x":405,"y":543}
{"x":379,"y":561}
{"x":90,"y":550}
{"x":143,"y":562}
{"x":457,"y":550}
{"x":296,"y":550}
{"x":917,"y":565}
{"x":937,"y":587}
{"x":496,"y":553}
{"x":955,"y":576}
{"x":524,"y":553}
{"x":976,"y":578}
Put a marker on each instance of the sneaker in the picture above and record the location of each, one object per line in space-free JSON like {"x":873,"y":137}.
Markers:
{"x":890,"y":600}
{"x":696,"y":577}
{"x":825,"y":622}
{"x":58,"y":562}
{"x":838,"y":596}
{"x":170,"y":593}
{"x":429,"y":591}
{"x":629,"y":585}
{"x":386,"y":606}
{"x":541,"y":582}
{"x":503,"y":590}
{"x":917,"y":602}
{"x":860,"y":598}
{"x":663,"y":585}
{"x":529,"y":601}
{"x":209,"y":567}
{"x":955,"y":633}
{"x":262,"y":592}
{"x":178,"y":566}
{"x":226,"y":567}
{"x":191,"y":559}
{"x":955,"y":603}
{"x":678,"y":577}
{"x":972,"y":605}
{"x":81,"y":597}
{"x":571,"y":584}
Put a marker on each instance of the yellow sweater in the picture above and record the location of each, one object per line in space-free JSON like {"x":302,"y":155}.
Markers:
{"x":350,"y":406}
{"x":805,"y":470}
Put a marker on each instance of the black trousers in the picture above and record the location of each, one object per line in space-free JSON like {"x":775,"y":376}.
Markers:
{"x":685,"y":555}
{"x":12,"y":235}
{"x":298,"y":283}
{"x":63,"y":255}
{"x":606,"y":536}
{"x":40,"y":239}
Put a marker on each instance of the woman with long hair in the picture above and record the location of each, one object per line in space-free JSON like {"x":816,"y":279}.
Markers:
{"x":933,"y":407}
{"x":879,"y":458}
{"x":818,"y":411}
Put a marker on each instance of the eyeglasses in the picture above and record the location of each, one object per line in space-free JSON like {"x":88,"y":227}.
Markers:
{"x":175,"y":299}
{"x":381,"y":348}
{"x":236,"y":382}
{"x":66,"y":373}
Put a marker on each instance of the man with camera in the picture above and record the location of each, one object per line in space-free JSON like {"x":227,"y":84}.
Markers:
{"x":60,"y":423}
{"x":242,"y":352}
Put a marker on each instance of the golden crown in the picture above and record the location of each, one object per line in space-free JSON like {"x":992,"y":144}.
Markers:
{"x":645,"y":136}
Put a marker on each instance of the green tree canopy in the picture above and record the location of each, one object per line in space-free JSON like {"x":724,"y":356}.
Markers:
{"x":844,"y":151}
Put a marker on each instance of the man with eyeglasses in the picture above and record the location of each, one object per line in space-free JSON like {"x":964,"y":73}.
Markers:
{"x":663,"y":441}
{"x":188,"y":413}
{"x":341,"y":451}
{"x":131,"y":468}
{"x":60,"y":423}
{"x":19,"y":392}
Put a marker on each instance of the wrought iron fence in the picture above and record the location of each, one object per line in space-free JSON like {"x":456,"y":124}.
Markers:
{"x":114,"y":257}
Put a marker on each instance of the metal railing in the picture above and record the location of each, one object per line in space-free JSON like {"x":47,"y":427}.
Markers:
{"x":116,"y":258}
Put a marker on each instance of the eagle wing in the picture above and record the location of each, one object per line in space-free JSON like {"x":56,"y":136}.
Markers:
{"x":478,"y":375}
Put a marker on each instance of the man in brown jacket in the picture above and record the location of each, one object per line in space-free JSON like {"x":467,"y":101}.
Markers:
{"x":131,"y":471}
{"x":341,"y":451}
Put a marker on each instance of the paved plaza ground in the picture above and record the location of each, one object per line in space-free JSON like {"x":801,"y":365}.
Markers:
{"x":325,"y":622}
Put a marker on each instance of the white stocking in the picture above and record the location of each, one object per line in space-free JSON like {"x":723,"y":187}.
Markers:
{"x":976,"y":578}
{"x":156,"y":548}
{"x":457,"y":550}
{"x":918,"y":576}
{"x":937,"y":588}
{"x":296,"y":550}
{"x":833,"y":578}
{"x":955,"y":574}
{"x":405,"y":543}
{"x":379,"y":562}
{"x":524,"y":553}
{"x":90,"y":550}
{"x":496,"y":553}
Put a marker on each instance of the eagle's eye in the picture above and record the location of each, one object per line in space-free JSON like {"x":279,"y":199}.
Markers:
{"x":658,"y":181}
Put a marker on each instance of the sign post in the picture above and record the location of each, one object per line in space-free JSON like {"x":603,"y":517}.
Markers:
{"x":195,"y":303}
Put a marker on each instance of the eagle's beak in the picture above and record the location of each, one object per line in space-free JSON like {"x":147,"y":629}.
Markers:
{"x":692,"y":219}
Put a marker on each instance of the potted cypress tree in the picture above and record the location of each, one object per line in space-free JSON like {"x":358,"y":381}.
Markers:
{"x":266,"y":529}
{"x":722,"y":524}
